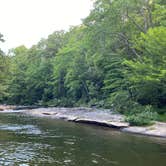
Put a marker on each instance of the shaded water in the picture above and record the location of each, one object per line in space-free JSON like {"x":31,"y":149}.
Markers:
{"x":29,"y":141}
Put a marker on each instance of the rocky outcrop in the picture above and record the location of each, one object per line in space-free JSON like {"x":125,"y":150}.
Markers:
{"x":13,"y":107}
{"x":83,"y":115}
{"x":157,"y":129}
{"x":99,"y":117}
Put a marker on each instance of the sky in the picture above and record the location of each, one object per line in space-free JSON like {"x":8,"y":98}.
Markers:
{"x":25,"y":22}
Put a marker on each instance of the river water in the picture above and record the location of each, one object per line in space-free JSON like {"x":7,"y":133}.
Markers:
{"x":30,"y":141}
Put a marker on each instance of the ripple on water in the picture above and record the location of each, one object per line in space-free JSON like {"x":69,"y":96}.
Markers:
{"x":21,"y":129}
{"x":23,"y":153}
{"x":101,"y":158}
{"x":69,"y":142}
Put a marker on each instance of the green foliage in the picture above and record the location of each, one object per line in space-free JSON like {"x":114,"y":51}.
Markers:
{"x":115,"y":59}
{"x":141,"y":119}
{"x":115,"y":87}
{"x":141,"y":116}
{"x":4,"y":70}
{"x":147,"y":74}
{"x":162,"y":117}
{"x":159,"y":15}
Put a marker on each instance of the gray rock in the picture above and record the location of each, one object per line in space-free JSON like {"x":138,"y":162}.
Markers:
{"x":157,"y":129}
{"x":83,"y":115}
{"x":99,"y":117}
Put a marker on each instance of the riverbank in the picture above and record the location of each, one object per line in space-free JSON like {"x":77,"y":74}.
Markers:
{"x":99,"y":117}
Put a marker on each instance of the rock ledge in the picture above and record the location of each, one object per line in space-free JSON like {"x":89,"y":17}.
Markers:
{"x":99,"y":117}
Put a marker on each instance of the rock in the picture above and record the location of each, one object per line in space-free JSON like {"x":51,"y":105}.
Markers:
{"x":12,"y":107}
{"x":25,"y":107}
{"x":71,"y":118}
{"x":6,"y":107}
{"x":9,"y":107}
{"x":119,"y":124}
{"x":98,"y":117}
{"x":103,"y":123}
{"x":158,"y":129}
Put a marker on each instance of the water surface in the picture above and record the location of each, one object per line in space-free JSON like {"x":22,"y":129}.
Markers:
{"x":29,"y":141}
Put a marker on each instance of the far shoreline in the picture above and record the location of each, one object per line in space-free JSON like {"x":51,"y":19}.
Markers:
{"x":98,"y":117}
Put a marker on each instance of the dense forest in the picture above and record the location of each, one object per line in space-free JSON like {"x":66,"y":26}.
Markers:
{"x":115,"y":59}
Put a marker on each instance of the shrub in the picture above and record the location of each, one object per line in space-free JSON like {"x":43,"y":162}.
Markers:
{"x":142,"y":118}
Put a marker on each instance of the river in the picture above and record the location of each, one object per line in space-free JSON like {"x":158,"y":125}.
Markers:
{"x":31,"y":141}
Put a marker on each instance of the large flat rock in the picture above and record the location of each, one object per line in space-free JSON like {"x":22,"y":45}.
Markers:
{"x":83,"y":115}
{"x":157,"y":129}
{"x":99,"y":117}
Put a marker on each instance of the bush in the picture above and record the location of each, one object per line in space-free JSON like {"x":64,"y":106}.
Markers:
{"x":137,"y":120}
{"x":142,"y":118}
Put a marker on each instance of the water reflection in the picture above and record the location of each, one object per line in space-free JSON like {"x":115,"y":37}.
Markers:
{"x":30,"y":141}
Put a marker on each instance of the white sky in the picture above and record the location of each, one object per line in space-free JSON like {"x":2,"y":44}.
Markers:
{"x":27,"y":21}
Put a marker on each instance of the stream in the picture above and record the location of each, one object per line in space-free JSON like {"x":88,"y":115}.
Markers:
{"x":32,"y":141}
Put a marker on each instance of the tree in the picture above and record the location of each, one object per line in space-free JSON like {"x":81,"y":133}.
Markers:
{"x":114,"y":59}
{"x":148,"y":73}
{"x":3,"y":72}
